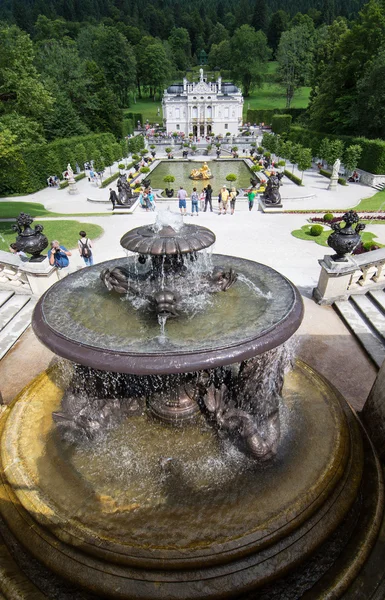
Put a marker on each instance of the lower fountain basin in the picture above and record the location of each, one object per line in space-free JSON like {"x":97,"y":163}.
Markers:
{"x":212,"y":524}
{"x":79,"y":319}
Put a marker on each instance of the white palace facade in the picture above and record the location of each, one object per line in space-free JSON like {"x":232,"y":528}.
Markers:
{"x":202,"y":107}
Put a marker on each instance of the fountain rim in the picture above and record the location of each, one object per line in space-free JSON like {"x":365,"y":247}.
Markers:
{"x":168,"y":362}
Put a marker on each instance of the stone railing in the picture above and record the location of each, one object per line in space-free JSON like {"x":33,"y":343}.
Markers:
{"x":26,"y":277}
{"x":338,"y":280}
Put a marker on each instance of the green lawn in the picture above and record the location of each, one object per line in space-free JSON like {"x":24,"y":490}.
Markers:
{"x":11,"y":210}
{"x":148,"y":108}
{"x":376,"y":202}
{"x":304,"y":234}
{"x":67,"y":232}
{"x":272,"y":95}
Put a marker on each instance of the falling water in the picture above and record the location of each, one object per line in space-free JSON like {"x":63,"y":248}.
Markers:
{"x":252,"y":286}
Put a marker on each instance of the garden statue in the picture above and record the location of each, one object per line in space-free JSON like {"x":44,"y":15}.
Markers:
{"x":202,"y":173}
{"x":272,"y":195}
{"x":346,"y":239}
{"x":30,"y":240}
{"x":125,"y":195}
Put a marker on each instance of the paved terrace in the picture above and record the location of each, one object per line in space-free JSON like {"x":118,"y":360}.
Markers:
{"x":322,"y":340}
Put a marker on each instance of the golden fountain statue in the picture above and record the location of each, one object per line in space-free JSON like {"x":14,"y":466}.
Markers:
{"x":202,"y":173}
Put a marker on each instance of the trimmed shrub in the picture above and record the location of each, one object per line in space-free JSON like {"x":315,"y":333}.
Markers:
{"x":266,"y":115}
{"x":135,"y":117}
{"x":143,"y":152}
{"x":228,"y":133}
{"x":145,"y":169}
{"x":168,"y":178}
{"x":121,"y":166}
{"x":316,"y":230}
{"x":127,"y":127}
{"x":372,"y":158}
{"x":281,"y":123}
{"x":328,"y":217}
{"x":135,"y":144}
{"x":293,"y":177}
{"x":256,"y":168}
{"x":231,"y":177}
{"x":65,"y":183}
{"x":168,"y":149}
{"x":260,"y":149}
{"x":341,"y":180}
{"x":281,"y":163}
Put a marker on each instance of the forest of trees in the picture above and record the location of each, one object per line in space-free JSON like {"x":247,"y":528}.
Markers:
{"x":69,"y":67}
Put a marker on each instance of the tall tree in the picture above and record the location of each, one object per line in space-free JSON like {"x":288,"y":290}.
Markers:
{"x":260,"y":20}
{"x":279,"y":22}
{"x":180,"y":44}
{"x":295,"y":59}
{"x":21,"y":88}
{"x":249,"y":55}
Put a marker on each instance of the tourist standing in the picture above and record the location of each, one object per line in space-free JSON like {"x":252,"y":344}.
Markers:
{"x":233,"y":197}
{"x":85,"y":249}
{"x":182,"y":195}
{"x":202,"y":198}
{"x":194,"y":202}
{"x":251,"y":196}
{"x":113,"y":198}
{"x":208,"y":196}
{"x":224,"y":199}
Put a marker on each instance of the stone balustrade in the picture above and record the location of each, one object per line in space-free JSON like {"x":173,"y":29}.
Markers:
{"x":26,"y":277}
{"x":338,"y":280}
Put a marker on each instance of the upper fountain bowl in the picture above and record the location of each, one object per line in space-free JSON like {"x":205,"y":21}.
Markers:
{"x":79,"y":319}
{"x":166,"y":241}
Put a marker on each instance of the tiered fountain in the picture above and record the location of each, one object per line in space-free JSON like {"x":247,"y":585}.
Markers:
{"x":167,"y":459}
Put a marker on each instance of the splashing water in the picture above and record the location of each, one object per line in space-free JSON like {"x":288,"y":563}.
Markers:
{"x":166,"y":218}
{"x":162,"y":319}
{"x":253,"y":287}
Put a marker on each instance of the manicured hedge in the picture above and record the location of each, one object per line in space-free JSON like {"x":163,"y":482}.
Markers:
{"x":341,"y":180}
{"x":128,"y":127}
{"x":135,"y":118}
{"x":281,"y":124}
{"x":373,"y":151}
{"x":293,"y":177}
{"x":27,"y":170}
{"x":65,"y":183}
{"x":266,"y":115}
{"x":109,"y":180}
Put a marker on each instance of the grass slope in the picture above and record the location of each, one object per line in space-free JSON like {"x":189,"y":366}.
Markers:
{"x":304,"y":234}
{"x":376,"y":202}
{"x":11,"y":210}
{"x":67,"y":232}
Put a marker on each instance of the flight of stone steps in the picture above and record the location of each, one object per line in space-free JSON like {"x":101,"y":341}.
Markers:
{"x":365,"y":316}
{"x":15,"y":316}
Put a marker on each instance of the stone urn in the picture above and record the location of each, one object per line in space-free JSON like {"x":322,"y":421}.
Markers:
{"x":345,"y":239}
{"x":31,"y":241}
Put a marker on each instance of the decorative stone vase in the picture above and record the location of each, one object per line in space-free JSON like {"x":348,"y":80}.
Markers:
{"x":345,"y":240}
{"x":29,"y":240}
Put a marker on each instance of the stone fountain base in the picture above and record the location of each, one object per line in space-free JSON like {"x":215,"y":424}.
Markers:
{"x":150,"y":512}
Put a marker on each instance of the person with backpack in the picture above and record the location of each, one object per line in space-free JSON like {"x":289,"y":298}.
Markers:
{"x":194,"y":202}
{"x":85,"y":249}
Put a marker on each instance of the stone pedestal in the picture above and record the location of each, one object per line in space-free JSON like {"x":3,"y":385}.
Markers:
{"x":269,"y":208}
{"x":334,"y":280}
{"x":40,"y":275}
{"x":72,"y":187}
{"x":373,"y":413}
{"x":333,"y":183}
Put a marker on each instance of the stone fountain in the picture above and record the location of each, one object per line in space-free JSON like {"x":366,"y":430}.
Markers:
{"x":168,"y":456}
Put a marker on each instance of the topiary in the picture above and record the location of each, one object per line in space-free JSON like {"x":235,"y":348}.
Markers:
{"x":260,"y":149}
{"x":316,"y":230}
{"x":145,"y":170}
{"x":169,"y":178}
{"x":121,"y":166}
{"x":281,"y":163}
{"x":256,"y":168}
{"x":328,"y":217}
{"x":231,"y":177}
{"x":168,"y":150}
{"x":135,"y":157}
